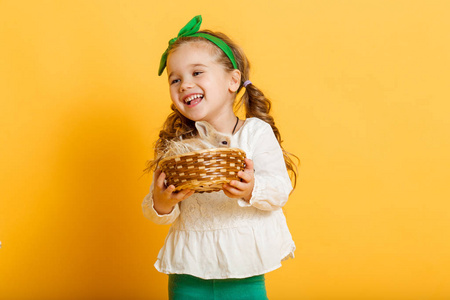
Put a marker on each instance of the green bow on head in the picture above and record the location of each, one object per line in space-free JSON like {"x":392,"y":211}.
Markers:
{"x":190,"y":29}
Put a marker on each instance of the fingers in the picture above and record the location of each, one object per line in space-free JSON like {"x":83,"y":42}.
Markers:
{"x":245,"y":176}
{"x":169,"y":190}
{"x":237,"y":185}
{"x":180,"y":194}
{"x":249,"y":166}
{"x":184,"y":194}
{"x":177,"y":196}
{"x":226,"y":192}
{"x":160,"y":177}
{"x":229,"y":189}
{"x":243,"y":188}
{"x":236,"y":189}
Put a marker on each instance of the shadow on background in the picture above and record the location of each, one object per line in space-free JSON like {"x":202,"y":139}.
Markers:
{"x":107,"y":240}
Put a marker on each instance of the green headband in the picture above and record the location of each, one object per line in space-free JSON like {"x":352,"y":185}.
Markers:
{"x":190,"y":29}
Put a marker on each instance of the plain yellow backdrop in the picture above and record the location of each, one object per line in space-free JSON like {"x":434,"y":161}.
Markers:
{"x":360,"y":92}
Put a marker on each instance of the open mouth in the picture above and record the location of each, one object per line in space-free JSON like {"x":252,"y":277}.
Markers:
{"x":193,"y":99}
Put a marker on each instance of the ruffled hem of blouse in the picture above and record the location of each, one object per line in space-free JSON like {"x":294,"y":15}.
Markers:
{"x":218,"y":254}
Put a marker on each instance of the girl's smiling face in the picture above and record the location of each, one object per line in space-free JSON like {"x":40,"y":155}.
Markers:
{"x":200,"y":87}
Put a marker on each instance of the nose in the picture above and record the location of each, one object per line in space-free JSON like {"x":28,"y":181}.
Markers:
{"x":185,"y":85}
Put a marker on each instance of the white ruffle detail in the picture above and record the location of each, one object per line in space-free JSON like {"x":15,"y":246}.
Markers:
{"x":237,"y":252}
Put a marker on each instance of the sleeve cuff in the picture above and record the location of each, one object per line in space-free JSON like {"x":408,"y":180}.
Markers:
{"x":267,"y":195}
{"x":242,"y":203}
{"x":256,"y":194}
{"x":151,"y":214}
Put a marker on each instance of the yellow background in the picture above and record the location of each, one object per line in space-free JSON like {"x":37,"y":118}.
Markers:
{"x":360,"y":92}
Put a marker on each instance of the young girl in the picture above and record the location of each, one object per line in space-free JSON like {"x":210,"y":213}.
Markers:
{"x":220,"y":244}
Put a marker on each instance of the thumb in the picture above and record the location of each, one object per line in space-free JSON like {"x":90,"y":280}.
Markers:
{"x":248,"y":165}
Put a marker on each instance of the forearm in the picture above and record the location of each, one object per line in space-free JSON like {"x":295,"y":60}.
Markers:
{"x":158,"y":214}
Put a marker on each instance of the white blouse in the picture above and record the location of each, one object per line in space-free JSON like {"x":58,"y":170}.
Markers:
{"x":216,"y":237}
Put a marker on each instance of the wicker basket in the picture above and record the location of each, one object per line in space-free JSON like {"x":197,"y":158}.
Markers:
{"x":203,"y":170}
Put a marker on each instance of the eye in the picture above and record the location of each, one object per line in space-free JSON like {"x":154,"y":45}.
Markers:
{"x":174,"y":81}
{"x":197,"y":73}
{"x":224,"y":143}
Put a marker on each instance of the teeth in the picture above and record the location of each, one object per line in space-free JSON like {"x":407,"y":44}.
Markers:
{"x":189,"y":99}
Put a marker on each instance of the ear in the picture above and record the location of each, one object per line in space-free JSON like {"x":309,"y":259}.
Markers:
{"x":202,"y":128}
{"x":235,"y":80}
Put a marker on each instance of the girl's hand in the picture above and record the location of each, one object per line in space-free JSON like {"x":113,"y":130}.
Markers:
{"x":164,"y":198}
{"x":244,"y":188}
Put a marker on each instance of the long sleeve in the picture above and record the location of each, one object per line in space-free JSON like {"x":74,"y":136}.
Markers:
{"x":214,"y":237}
{"x":272,"y":182}
{"x":151,"y":214}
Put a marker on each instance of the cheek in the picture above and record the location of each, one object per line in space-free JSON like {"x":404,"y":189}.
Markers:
{"x":173,"y":94}
{"x":176,"y":103}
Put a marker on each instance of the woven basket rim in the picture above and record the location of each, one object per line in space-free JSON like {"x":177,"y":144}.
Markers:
{"x":200,"y":152}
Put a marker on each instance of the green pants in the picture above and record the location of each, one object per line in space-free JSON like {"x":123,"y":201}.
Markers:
{"x":187,"y":287}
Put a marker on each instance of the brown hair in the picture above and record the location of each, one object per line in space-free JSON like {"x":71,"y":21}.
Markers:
{"x":253,"y":100}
